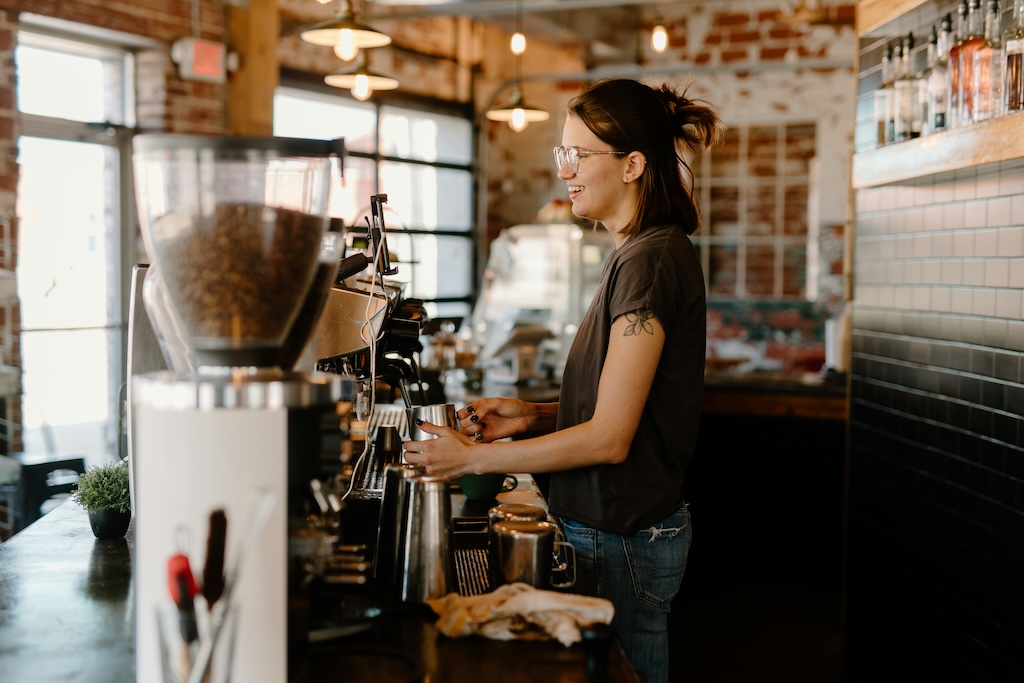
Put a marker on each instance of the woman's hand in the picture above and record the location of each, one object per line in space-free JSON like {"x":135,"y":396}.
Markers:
{"x":490,"y":419}
{"x":455,"y":453}
{"x":450,"y":455}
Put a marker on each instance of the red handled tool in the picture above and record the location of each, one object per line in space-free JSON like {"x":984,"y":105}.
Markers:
{"x":182,"y":586}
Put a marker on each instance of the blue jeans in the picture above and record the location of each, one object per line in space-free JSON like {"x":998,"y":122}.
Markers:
{"x":639,"y":574}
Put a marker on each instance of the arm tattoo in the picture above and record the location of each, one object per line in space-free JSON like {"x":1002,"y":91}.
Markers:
{"x":639,"y":321}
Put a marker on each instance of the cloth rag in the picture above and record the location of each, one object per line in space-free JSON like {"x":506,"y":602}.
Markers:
{"x":518,"y":611}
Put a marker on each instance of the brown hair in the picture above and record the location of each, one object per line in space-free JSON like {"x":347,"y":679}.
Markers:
{"x":659,"y":122}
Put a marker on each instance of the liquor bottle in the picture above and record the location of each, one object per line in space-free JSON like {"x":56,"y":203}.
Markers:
{"x":1013,"y":49}
{"x":987,"y":95}
{"x":890,"y":92}
{"x":917,"y":94}
{"x":972,"y":43}
{"x":882,"y":97}
{"x":953,"y":67}
{"x":935,"y":79}
{"x":908,"y":118}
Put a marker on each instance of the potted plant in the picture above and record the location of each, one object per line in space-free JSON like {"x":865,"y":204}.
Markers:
{"x":103,"y":491}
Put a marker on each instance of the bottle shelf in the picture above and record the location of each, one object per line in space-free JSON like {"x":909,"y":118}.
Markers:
{"x":999,"y":139}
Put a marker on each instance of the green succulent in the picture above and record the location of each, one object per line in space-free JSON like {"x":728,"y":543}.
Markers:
{"x":104,"y":487}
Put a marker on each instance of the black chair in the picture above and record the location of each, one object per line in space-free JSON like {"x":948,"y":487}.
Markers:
{"x":44,"y":475}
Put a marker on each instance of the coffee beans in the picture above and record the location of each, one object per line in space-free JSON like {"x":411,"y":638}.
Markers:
{"x":238,"y":277}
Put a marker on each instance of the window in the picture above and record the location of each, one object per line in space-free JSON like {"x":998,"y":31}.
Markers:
{"x":754,"y":194}
{"x":72,"y":239}
{"x":422,"y":160}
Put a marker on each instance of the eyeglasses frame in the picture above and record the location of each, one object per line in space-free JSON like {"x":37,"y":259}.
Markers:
{"x":563,"y":152}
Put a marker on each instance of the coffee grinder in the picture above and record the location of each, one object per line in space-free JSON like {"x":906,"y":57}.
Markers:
{"x":235,"y":229}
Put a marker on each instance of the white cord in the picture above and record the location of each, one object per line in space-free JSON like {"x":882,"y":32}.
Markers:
{"x":371,"y":341}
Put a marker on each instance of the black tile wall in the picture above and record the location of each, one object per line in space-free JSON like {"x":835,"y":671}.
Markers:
{"x":935,"y":483}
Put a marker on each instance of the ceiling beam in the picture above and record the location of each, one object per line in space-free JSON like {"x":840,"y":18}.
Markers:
{"x":495,"y":8}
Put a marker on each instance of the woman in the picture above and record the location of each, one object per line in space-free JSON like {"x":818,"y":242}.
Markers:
{"x":619,"y":439}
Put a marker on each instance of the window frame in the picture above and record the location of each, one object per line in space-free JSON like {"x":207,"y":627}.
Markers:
{"x":302,"y":84}
{"x":781,"y":242}
{"x":115,"y":134}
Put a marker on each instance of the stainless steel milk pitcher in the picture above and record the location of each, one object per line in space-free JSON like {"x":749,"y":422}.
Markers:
{"x":426,"y":540}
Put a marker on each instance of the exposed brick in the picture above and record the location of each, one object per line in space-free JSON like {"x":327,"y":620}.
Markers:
{"x":783,"y":32}
{"x":746,"y":36}
{"x":773,"y":54}
{"x":734,"y":56}
{"x":844,"y":13}
{"x":731,"y":19}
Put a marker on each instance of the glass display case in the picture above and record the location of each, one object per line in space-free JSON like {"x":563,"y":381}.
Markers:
{"x":538,"y":282}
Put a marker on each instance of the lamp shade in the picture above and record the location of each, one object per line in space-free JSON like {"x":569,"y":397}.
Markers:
{"x":346,"y":35}
{"x":516,"y":113}
{"x":361,"y":81}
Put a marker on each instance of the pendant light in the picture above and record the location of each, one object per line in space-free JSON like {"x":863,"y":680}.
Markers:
{"x":361,"y":80}
{"x":345,"y":34}
{"x":515,"y":112}
{"x":518,"y":43}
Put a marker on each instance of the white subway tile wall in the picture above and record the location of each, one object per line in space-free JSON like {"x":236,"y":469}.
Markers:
{"x":963,"y":230}
{"x":936,"y":484}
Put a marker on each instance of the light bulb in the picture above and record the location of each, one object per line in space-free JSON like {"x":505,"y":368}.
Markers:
{"x":659,"y":38}
{"x":518,"y":43}
{"x":346,"y":49}
{"x":361,"y":88}
{"x":518,"y":121}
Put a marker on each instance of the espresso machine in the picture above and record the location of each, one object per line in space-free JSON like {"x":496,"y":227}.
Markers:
{"x":235,"y":454}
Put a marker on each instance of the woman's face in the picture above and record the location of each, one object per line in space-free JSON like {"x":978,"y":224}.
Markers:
{"x":598,"y":190}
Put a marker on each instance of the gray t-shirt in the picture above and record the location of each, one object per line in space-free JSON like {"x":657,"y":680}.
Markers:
{"x":658,"y":270}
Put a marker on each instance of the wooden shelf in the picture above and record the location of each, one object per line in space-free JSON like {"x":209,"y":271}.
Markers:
{"x":1000,"y":139}
{"x":873,"y":14}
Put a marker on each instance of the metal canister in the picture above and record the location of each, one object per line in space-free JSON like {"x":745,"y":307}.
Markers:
{"x":517,"y":512}
{"x":523,"y":552}
{"x":522,"y":512}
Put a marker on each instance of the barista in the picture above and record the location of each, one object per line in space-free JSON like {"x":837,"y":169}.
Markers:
{"x":619,"y":439}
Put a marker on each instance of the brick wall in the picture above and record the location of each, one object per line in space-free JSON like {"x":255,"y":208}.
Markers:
{"x":722,"y":32}
{"x":937,"y":430}
{"x":757,"y":67}
{"x":9,"y":314}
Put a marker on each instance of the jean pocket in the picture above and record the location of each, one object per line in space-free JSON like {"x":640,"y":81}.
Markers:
{"x":656,"y":557}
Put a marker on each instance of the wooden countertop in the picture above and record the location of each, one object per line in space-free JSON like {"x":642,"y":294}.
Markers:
{"x":67,"y":614}
{"x":761,"y":394}
{"x":805,"y":395}
{"x":65,"y":607}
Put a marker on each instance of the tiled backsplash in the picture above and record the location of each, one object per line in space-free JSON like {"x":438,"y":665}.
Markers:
{"x":936,"y":472}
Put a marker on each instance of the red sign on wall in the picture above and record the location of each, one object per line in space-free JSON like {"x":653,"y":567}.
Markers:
{"x":200,"y":60}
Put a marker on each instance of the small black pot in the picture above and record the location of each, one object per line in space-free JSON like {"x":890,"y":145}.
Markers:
{"x":108,"y":524}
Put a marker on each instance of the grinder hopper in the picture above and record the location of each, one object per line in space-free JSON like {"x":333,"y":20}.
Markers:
{"x":235,"y":226}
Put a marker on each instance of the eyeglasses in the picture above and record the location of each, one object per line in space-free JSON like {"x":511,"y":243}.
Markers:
{"x":571,"y":156}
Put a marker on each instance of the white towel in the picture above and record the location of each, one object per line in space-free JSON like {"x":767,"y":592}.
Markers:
{"x":520,"y":611}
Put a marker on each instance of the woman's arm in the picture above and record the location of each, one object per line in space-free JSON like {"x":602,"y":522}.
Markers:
{"x":634,"y":350}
